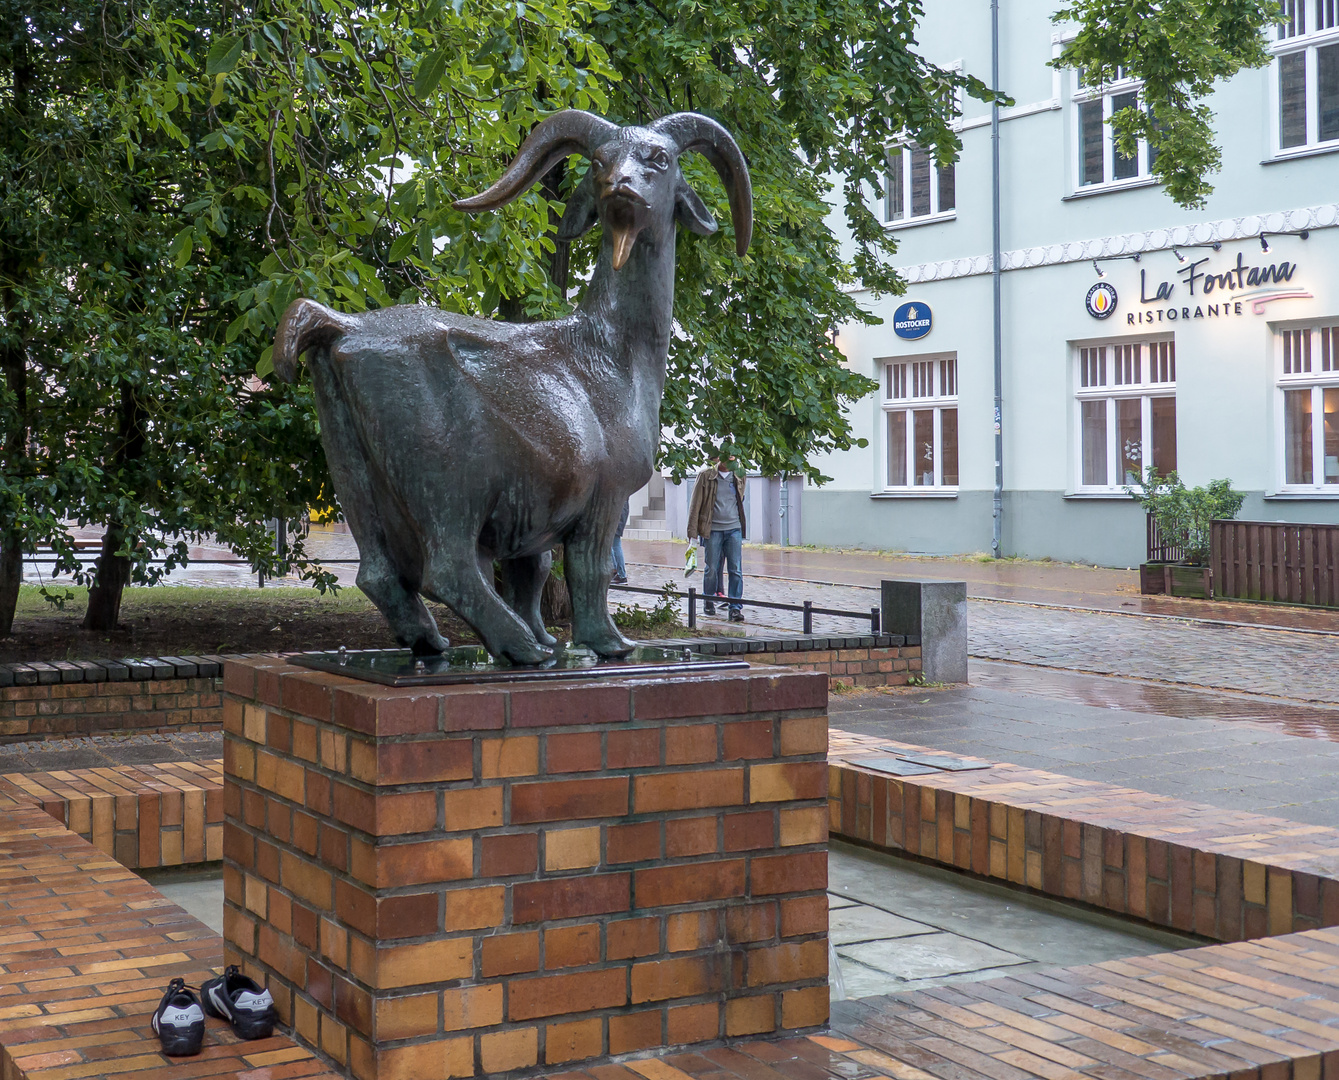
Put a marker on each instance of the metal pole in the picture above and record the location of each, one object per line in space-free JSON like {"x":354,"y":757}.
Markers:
{"x":692,"y":607}
{"x":785,"y":510}
{"x":997,"y":515}
{"x":808,"y":617}
{"x":874,"y":620}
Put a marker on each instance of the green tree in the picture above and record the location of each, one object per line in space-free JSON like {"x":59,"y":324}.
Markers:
{"x":814,"y":92}
{"x":382,"y":116}
{"x":1178,"y":49}
{"x":170,"y":177}
{"x":122,"y":405}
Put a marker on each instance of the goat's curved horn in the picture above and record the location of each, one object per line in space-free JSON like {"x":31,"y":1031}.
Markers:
{"x":568,"y":132}
{"x":692,"y":131}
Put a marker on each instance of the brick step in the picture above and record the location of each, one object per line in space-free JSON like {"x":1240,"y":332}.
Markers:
{"x":169,"y":814}
{"x":88,"y":949}
{"x":1224,"y":874}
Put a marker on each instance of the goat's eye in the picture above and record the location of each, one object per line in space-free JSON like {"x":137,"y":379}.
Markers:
{"x":658,"y":159}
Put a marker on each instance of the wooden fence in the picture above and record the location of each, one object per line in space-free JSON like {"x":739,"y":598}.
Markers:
{"x":1159,"y":548}
{"x":1265,"y":560}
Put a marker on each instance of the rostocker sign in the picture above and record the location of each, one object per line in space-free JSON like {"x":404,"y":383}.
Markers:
{"x":912,"y":320}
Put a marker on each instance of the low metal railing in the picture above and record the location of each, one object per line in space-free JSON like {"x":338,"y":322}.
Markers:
{"x":807,"y":608}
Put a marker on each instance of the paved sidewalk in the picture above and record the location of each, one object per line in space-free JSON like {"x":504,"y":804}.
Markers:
{"x":1226,"y":765}
{"x":1066,"y":585}
{"x":1291,"y":665}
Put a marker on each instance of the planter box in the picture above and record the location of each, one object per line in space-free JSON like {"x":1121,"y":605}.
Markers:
{"x":1175,"y":579}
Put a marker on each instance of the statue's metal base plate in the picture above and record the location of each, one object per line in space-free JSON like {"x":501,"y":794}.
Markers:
{"x":473,"y":664}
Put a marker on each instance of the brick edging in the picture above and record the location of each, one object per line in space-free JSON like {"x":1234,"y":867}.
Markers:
{"x":1227,"y":875}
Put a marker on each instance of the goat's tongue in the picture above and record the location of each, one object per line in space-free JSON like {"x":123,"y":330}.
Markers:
{"x":624,"y":237}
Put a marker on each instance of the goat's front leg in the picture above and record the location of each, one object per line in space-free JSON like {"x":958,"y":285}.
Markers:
{"x":456,"y":580}
{"x":523,"y":588}
{"x":587,"y":563}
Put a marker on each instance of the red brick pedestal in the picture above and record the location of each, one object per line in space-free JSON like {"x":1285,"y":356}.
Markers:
{"x":459,"y":881}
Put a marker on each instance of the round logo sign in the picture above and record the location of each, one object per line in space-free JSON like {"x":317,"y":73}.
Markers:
{"x":1101,"y":300}
{"x":912,"y":321}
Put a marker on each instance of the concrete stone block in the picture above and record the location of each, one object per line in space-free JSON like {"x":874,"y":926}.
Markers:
{"x":935,"y":612}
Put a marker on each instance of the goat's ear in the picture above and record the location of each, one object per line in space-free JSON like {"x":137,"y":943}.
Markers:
{"x":691,"y":212}
{"x":579,"y":216}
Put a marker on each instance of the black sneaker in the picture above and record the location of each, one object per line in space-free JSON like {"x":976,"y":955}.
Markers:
{"x":620,"y":581}
{"x":708,"y":608}
{"x":242,"y":1002}
{"x":178,"y":1021}
{"x":736,"y":615}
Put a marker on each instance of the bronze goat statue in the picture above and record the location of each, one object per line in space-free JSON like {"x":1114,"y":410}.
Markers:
{"x":455,"y":441}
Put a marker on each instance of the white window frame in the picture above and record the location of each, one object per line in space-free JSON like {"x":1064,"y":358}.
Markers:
{"x":907,"y":220}
{"x":909,"y":401}
{"x":1080,"y":95}
{"x":1144,"y":388}
{"x":1318,"y":380}
{"x":1307,"y":42}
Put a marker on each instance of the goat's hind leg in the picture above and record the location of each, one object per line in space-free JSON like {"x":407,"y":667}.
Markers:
{"x":409,"y":618}
{"x":410,"y":621}
{"x":456,"y":580}
{"x":523,"y":581}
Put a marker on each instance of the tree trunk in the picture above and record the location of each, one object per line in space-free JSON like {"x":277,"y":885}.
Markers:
{"x":11,"y":576}
{"x":113,"y":574}
{"x":555,"y":602}
{"x":13,"y":359}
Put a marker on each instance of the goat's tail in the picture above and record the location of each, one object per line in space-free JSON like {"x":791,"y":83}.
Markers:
{"x":305,"y":325}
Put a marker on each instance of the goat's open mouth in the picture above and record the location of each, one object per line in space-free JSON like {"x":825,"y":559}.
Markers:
{"x":620,"y":220}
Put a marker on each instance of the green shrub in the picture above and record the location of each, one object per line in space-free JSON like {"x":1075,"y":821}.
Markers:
{"x":1183,"y":514}
{"x":664,"y":615}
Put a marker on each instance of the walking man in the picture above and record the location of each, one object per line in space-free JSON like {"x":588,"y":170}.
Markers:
{"x":717,"y":516}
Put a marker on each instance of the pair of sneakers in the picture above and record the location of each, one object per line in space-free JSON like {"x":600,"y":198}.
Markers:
{"x":179,"y":1020}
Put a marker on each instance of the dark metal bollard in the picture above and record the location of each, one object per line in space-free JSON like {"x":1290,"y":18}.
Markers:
{"x":873,"y":620}
{"x":808,"y":617}
{"x":692,"y":607}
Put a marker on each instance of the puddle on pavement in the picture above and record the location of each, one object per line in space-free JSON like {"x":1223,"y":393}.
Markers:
{"x":1130,"y":695}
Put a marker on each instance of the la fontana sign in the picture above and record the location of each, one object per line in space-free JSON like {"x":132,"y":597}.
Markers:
{"x":1205,"y":292}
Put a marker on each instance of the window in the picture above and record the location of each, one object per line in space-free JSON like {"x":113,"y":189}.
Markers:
{"x":1099,"y":160}
{"x":1126,"y":401}
{"x":1307,"y":56}
{"x":916,"y":187}
{"x":920,"y":410}
{"x":1309,"y":387}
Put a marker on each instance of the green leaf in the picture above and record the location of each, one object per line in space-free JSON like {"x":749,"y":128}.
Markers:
{"x":403,"y":245}
{"x":265,"y":365}
{"x":223,"y":55}
{"x":430,"y":71}
{"x":183,"y":244}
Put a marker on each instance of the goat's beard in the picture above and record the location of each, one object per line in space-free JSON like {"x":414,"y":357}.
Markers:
{"x":624,"y":236}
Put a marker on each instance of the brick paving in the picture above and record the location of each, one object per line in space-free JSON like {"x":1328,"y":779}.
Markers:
{"x":86,"y":950}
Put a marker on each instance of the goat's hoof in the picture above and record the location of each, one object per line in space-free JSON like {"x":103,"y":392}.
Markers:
{"x":527,"y":654}
{"x":544,"y":637}
{"x":610,"y":646}
{"x":433,"y":646}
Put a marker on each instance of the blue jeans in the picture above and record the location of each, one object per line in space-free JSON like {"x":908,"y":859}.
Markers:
{"x":725,"y":546}
{"x":620,"y":567}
